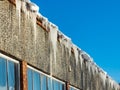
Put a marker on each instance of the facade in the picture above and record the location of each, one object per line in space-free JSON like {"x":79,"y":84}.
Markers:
{"x":35,"y":55}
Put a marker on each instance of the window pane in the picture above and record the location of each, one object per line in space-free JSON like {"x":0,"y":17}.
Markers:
{"x":71,"y":88}
{"x":36,"y":81}
{"x":49,"y":83}
{"x":61,"y":87}
{"x":11,"y":76}
{"x":55,"y":85}
{"x":3,"y":79}
{"x":43,"y":83}
{"x":29,"y":74}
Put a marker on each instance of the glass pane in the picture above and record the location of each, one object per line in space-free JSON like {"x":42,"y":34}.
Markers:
{"x":30,"y":81}
{"x":49,"y":84}
{"x":3,"y":77}
{"x":55,"y":85}
{"x":36,"y":81}
{"x":43,"y":83}
{"x":11,"y":76}
{"x":61,"y":87}
{"x":71,"y":88}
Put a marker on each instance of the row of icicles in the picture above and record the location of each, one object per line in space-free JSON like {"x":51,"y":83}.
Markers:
{"x":32,"y":12}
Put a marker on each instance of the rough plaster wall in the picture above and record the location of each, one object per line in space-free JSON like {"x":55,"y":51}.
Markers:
{"x":5,"y":31}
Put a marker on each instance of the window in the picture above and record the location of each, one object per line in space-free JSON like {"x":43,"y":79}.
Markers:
{"x":9,"y":76}
{"x":40,"y":81}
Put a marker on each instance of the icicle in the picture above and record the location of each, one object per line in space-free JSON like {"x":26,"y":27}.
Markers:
{"x":40,"y":16}
{"x":53,"y":44}
{"x":32,"y":7}
{"x":88,"y":64}
{"x":66,"y":41}
{"x":32,"y":11}
{"x":76,"y":53}
{"x":18,"y":12}
{"x":33,"y":18}
{"x":81,"y":60}
{"x":93,"y":68}
{"x":103,"y":77}
{"x":44,"y":22}
{"x":86,"y":56}
{"x":111,"y":82}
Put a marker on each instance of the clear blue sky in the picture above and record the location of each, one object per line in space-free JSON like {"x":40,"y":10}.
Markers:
{"x":93,"y":25}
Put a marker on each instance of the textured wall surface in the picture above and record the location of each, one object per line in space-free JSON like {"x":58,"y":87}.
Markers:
{"x":17,"y":38}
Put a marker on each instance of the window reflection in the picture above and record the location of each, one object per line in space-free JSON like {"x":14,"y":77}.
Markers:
{"x":36,"y":81}
{"x":29,"y":73}
{"x":49,"y":84}
{"x":11,"y":76}
{"x":55,"y":85}
{"x":43,"y":82}
{"x":3,"y":75}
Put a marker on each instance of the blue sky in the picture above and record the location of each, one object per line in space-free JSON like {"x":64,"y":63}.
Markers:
{"x":93,"y":25}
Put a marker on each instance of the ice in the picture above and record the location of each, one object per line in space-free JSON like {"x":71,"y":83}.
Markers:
{"x":40,"y":16}
{"x":45,"y":22}
{"x":75,"y":53}
{"x":81,"y":59}
{"x":113,"y":84}
{"x":93,"y":68}
{"x":66,"y":41}
{"x":103,"y":77}
{"x":33,"y":18}
{"x":18,"y":13}
{"x":31,"y":10}
{"x":32,"y":7}
{"x":88,"y":64}
{"x":86,"y":56}
{"x":53,"y":44}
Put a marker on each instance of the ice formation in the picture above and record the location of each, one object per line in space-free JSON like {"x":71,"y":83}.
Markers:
{"x":81,"y":59}
{"x":18,"y":12}
{"x":32,"y":7}
{"x":31,"y":11}
{"x":66,"y":41}
{"x":76,"y":53}
{"x":103,"y":77}
{"x":53,"y":44}
{"x":45,"y":22}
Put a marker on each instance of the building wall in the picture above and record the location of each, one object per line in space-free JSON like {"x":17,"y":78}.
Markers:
{"x":18,"y":38}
